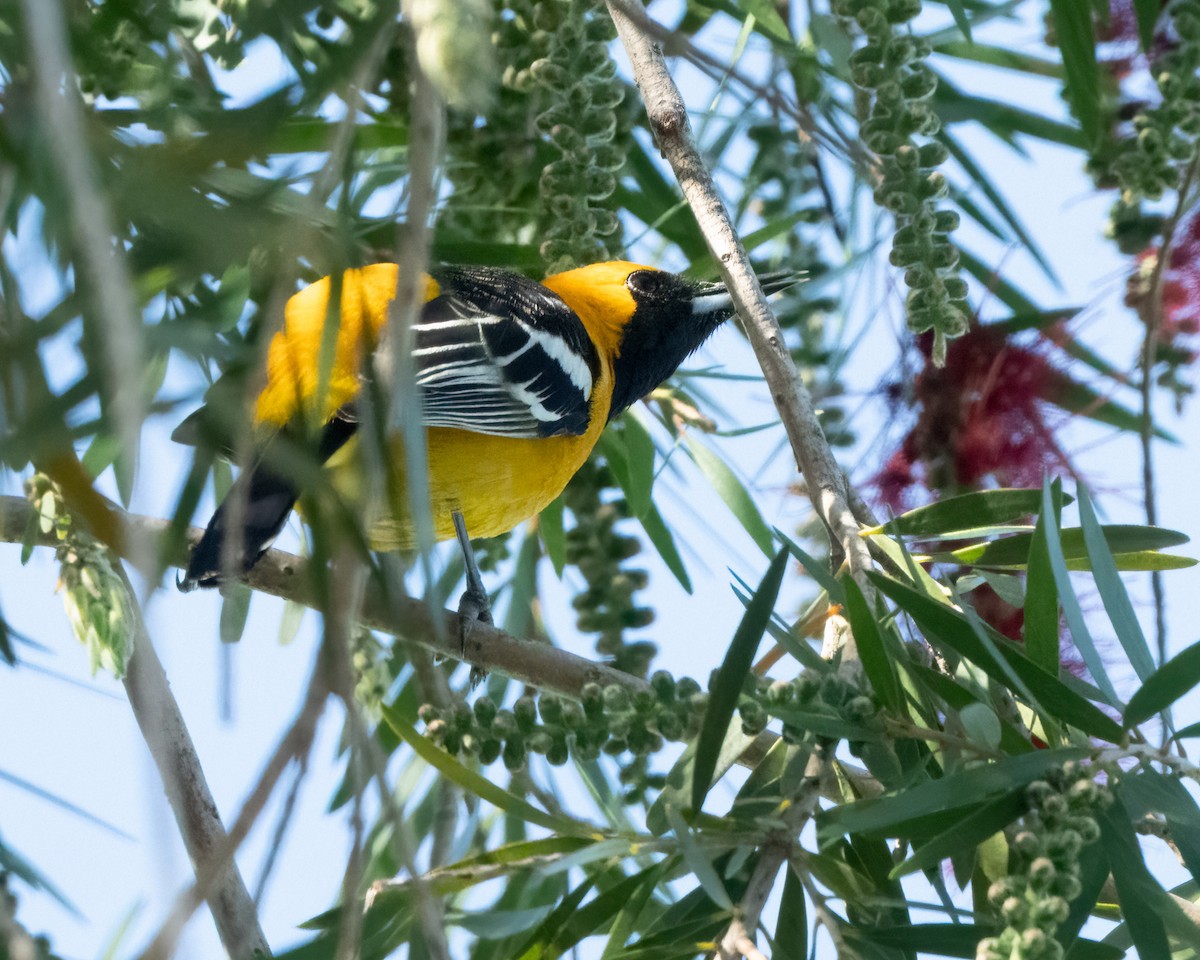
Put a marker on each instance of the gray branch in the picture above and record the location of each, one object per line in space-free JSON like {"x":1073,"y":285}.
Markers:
{"x":827,"y":486}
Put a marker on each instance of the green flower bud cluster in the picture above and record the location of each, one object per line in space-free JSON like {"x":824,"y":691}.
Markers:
{"x":891,"y":66}
{"x":372,"y":671}
{"x":580,"y":79}
{"x":98,"y":606}
{"x":1164,"y":136}
{"x":1162,"y":139}
{"x":1043,"y":876}
{"x":829,"y":693}
{"x":607,"y":605}
{"x":607,"y":720}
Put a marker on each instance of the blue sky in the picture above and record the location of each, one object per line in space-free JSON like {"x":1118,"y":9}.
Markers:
{"x":77,"y":739}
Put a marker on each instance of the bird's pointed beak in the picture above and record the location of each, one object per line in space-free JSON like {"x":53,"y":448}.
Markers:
{"x":712,"y":298}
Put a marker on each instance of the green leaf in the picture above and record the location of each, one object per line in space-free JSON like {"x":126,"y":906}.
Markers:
{"x":1165,"y":686}
{"x":235,"y":608}
{"x":554,"y":539}
{"x":597,"y":913}
{"x":890,"y":814}
{"x":629,"y":451}
{"x":1150,"y":791}
{"x":964,"y":512}
{"x":476,"y":784}
{"x":1147,"y":12}
{"x":944,"y":626}
{"x":1112,"y":590}
{"x":1140,"y":894}
{"x":1041,"y":595}
{"x":626,"y":921}
{"x":730,"y":489}
{"x":958,"y":11}
{"x":727,"y":686}
{"x":697,"y":860}
{"x":1013,"y":552}
{"x":660,"y":536}
{"x":1080,"y":399}
{"x":1077,"y":41}
{"x":537,"y":945}
{"x":877,"y":660}
{"x":791,"y":923}
{"x":814,"y":568}
{"x":964,"y":833}
{"x":1070,"y":603}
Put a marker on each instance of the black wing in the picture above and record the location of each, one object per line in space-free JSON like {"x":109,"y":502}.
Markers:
{"x":500,"y":354}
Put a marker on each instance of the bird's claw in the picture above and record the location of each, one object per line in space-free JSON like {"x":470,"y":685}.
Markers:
{"x":473,"y":607}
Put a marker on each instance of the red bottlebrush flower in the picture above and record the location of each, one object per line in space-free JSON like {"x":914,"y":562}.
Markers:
{"x":1180,"y":309}
{"x":982,"y":421}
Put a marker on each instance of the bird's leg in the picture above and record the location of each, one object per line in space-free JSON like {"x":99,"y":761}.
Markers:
{"x":474,"y":605}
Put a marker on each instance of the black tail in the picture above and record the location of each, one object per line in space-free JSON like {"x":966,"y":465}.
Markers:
{"x":268,"y":497}
{"x":268,"y":500}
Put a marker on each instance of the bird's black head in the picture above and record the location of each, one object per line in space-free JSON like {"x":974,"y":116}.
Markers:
{"x":672,"y":317}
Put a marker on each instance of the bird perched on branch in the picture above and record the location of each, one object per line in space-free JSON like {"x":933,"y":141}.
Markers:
{"x":517,"y":381}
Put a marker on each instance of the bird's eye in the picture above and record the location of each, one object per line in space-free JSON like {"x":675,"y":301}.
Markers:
{"x":645,"y":284}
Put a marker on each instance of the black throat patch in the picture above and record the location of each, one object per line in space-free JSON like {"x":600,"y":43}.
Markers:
{"x":662,"y":333}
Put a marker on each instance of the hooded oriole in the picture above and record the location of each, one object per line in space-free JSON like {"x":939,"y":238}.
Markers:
{"x":518,"y":379}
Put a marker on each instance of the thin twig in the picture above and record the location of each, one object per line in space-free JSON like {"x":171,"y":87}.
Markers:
{"x":281,"y":826}
{"x":1151,"y":314}
{"x":167,"y":738}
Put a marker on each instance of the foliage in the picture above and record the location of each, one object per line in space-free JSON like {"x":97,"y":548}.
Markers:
{"x":979,"y":782}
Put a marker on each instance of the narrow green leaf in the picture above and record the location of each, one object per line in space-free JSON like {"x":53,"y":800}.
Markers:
{"x":696,"y":859}
{"x":1041,"y":599}
{"x":629,"y":451}
{"x":1070,"y":603}
{"x":1191,"y":730}
{"x":1140,"y":894}
{"x":1077,"y":41}
{"x":1147,"y":12}
{"x":1152,"y":792}
{"x":474,"y":783}
{"x":235,"y":608}
{"x":1165,"y":686}
{"x":727,"y":686}
{"x":730,"y":489}
{"x":663,"y":541}
{"x":595,"y":914}
{"x":964,"y":833}
{"x":554,"y":539}
{"x":1006,"y":58}
{"x":966,"y":511}
{"x":944,"y":626}
{"x":1122,"y":539}
{"x":877,"y":660}
{"x":815,"y":568}
{"x":887,"y":815}
{"x":1112,"y":590}
{"x":959,"y":12}
{"x":1082,"y":400}
{"x":626,"y":922}
{"x":791,"y":923}
{"x":536,"y":947}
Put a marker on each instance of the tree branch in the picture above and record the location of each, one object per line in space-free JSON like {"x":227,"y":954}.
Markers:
{"x":668,"y":117}
{"x":287,"y":576}
{"x":161,"y":722}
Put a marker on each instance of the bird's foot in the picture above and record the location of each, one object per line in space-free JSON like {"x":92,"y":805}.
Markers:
{"x":473,"y":607}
